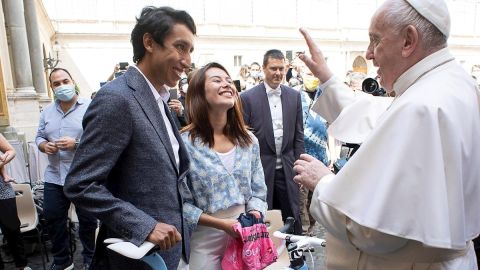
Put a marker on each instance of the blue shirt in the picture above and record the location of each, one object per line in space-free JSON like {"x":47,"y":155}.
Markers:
{"x":210,"y":187}
{"x":314,"y":130}
{"x":53,"y":125}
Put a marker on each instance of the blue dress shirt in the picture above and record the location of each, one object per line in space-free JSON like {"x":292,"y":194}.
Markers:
{"x":55,"y":124}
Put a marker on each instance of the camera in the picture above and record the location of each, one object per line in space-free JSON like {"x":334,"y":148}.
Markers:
{"x":371,"y":86}
{"x":122,"y":67}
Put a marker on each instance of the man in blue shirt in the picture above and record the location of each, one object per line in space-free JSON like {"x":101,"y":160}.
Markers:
{"x":59,"y":132}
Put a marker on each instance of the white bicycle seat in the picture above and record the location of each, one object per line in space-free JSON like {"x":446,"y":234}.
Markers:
{"x":128,"y":249}
{"x":113,"y":240}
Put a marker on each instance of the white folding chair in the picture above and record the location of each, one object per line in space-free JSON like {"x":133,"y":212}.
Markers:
{"x":27,"y":213}
{"x":72,"y":219}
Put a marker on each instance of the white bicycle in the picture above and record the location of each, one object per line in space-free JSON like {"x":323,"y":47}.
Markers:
{"x":296,"y":247}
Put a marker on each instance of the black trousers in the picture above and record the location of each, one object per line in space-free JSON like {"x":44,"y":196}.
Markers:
{"x":55,"y":207}
{"x":10,"y":226}
{"x":281,"y":200}
{"x":476,"y":244}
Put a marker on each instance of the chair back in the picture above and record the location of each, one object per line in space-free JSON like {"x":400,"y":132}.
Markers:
{"x":17,"y":168}
{"x":27,"y":212}
{"x":274,"y":222}
{"x":72,"y":213}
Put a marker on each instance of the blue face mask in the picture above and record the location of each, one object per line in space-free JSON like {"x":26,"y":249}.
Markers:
{"x":65,"y":92}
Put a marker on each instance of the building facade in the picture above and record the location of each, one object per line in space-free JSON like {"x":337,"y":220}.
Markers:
{"x":89,"y":37}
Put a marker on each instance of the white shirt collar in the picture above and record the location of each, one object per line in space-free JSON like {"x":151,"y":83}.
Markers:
{"x":425,"y":65}
{"x":268,"y":88}
{"x":161,"y":93}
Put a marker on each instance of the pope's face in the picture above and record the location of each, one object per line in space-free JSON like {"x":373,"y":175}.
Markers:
{"x":385,"y":50}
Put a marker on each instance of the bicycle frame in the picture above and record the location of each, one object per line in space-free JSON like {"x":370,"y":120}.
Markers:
{"x":296,"y":246}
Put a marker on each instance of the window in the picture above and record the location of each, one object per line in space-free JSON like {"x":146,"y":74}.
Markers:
{"x":237,"y":60}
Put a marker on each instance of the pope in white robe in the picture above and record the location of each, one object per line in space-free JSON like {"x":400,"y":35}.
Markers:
{"x":410,"y":196}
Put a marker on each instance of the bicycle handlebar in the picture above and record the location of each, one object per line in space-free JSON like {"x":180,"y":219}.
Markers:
{"x":301,"y":241}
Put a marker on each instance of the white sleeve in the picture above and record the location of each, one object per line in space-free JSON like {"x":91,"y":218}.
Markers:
{"x":347,"y":230}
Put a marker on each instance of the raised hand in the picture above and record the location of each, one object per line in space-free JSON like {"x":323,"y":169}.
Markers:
{"x":316,"y":62}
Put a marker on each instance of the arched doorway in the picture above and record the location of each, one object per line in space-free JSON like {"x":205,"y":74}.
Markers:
{"x":359,"y":65}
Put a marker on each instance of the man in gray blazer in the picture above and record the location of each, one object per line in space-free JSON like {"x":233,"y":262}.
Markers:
{"x":131,"y":158}
{"x":274,"y":112}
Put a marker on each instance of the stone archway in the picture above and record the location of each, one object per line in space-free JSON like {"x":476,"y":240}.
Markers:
{"x":359,"y":65}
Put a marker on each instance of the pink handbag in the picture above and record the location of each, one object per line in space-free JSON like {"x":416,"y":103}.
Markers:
{"x":253,"y":250}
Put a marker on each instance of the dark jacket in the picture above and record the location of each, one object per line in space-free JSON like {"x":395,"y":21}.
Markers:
{"x":124,"y":171}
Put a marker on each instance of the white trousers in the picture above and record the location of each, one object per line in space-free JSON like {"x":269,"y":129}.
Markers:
{"x":207,"y":245}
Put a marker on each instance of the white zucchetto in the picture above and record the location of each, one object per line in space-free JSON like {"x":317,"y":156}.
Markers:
{"x":435,"y":11}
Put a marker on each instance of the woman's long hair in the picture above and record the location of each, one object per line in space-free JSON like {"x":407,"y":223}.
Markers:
{"x":197,"y":109}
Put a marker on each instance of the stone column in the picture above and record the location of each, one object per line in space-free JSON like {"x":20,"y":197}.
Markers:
{"x":35,"y":48}
{"x":20,"y":57}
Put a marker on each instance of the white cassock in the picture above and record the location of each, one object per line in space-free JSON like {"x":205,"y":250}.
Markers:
{"x":410,"y":196}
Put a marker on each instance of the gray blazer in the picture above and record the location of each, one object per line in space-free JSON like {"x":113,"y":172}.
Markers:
{"x":124,"y":170}
{"x":256,"y":113}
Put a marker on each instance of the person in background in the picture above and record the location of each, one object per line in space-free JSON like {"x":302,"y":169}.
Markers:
{"x":131,"y":158}
{"x":356,"y":80}
{"x":117,"y":71}
{"x":256,"y":74}
{"x":274,"y":112}
{"x":177,"y":109}
{"x":243,"y":74}
{"x":9,"y":222}
{"x":59,"y":131}
{"x":408,"y":198}
{"x":226,"y":176}
{"x":183,"y":88}
{"x":316,"y":140}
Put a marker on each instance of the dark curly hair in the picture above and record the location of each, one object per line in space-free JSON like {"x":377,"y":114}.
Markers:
{"x":159,"y":23}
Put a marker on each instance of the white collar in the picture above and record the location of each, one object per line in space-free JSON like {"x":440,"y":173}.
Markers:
{"x":270,"y":89}
{"x":161,"y":93}
{"x":424,"y":66}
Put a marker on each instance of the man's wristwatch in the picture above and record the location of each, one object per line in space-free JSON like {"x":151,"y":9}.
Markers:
{"x":77,"y":142}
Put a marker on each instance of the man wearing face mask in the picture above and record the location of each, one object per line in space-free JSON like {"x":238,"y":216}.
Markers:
{"x":59,"y":132}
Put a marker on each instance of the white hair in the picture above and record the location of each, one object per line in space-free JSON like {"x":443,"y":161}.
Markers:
{"x":399,"y":14}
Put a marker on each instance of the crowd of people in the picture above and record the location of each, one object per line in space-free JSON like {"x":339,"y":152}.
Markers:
{"x":177,"y":168}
